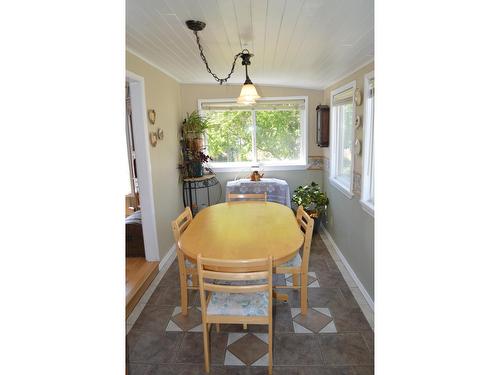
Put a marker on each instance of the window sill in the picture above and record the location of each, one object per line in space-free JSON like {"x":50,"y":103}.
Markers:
{"x":264,"y":168}
{"x":367,"y":207}
{"x":341,"y":188}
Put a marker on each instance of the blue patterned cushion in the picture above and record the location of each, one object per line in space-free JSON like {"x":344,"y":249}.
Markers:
{"x":189,"y":264}
{"x":241,"y":304}
{"x":294,"y":262}
{"x":238,"y":282}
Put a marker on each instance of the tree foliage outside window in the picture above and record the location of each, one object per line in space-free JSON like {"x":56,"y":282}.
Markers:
{"x":277,"y":135}
{"x":342,"y":112}
{"x":347,"y":137}
{"x":229,"y":135}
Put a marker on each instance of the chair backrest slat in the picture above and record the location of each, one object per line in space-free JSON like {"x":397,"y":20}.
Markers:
{"x":180,"y":224}
{"x":237,"y":197}
{"x":184,"y":225}
{"x":306,"y":224}
{"x":225,"y":263}
{"x":236,"y":276}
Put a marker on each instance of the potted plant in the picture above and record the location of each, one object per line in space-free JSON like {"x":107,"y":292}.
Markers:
{"x":193,"y":128}
{"x":197,"y":160}
{"x":314,"y":201}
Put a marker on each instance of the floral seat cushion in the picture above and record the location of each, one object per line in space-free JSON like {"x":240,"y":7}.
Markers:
{"x":241,"y":304}
{"x":294,"y":262}
{"x":238,"y":282}
{"x":190,"y":280}
{"x":189,"y":264}
{"x":227,"y":282}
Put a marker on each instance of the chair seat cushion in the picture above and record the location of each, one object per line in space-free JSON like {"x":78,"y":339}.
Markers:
{"x":189,"y":264}
{"x":190,"y":281}
{"x":294,"y":262}
{"x":239,"y":283}
{"x":240,"y":304}
{"x":230,"y":282}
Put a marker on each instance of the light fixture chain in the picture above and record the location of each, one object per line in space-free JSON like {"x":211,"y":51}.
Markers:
{"x":220,"y":80}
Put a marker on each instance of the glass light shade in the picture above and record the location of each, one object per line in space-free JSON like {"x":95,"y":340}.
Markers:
{"x":248,"y":94}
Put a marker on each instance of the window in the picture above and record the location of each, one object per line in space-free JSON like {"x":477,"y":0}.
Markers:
{"x":367,"y":188}
{"x":342,"y":125}
{"x":270,"y":133}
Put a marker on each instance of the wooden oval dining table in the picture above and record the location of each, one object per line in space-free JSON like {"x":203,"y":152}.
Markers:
{"x":243,"y":230}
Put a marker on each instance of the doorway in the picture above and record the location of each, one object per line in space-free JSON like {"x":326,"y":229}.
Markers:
{"x":142,"y":163}
{"x":141,"y":243}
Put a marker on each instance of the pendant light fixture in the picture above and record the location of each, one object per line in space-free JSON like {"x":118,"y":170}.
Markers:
{"x":248,"y":93}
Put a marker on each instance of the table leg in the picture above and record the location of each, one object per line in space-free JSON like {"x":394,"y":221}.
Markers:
{"x":190,"y":197}
{"x":184,"y":193}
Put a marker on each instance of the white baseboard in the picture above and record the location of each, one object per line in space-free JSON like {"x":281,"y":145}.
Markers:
{"x":348,"y":267}
{"x":168,"y":258}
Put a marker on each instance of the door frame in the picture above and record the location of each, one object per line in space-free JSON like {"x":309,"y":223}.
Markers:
{"x":143,"y":160}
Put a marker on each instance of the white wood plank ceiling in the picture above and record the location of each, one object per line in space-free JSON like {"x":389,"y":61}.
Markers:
{"x":299,"y":43}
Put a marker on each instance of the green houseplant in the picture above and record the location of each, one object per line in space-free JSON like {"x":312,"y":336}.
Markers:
{"x":193,"y":130}
{"x":193,"y":137}
{"x":314,"y":201}
{"x":194,"y":124}
{"x":197,"y":160}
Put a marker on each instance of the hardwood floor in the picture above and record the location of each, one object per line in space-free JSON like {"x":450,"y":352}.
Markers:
{"x":139,"y":274}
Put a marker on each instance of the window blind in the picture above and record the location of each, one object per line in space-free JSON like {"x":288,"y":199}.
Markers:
{"x":270,"y":105}
{"x":343,"y":97}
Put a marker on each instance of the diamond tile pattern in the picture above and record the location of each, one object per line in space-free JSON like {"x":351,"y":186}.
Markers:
{"x":248,"y":348}
{"x":333,"y":338}
{"x":188,"y":322}
{"x":312,"y":280}
{"x":313,"y":321}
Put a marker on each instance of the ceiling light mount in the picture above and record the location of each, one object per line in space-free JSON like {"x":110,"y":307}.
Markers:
{"x":248,"y":92}
{"x":195,"y":25}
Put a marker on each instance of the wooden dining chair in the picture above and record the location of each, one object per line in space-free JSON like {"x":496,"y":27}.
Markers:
{"x":299,"y":266}
{"x":248,"y":197}
{"x":187,"y":269}
{"x":233,"y":297}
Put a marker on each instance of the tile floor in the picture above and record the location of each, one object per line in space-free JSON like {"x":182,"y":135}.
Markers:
{"x":336,"y":337}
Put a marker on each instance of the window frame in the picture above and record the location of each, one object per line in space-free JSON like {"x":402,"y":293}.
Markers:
{"x":335,"y":151}
{"x":367,"y":181}
{"x":268,"y":166}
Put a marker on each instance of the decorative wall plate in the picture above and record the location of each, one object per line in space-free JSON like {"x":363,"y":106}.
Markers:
{"x":153,"y":139}
{"x":152,"y":116}
{"x":358,"y":97}
{"x":358,"y":121}
{"x":357,"y":147}
{"x":159,"y":133}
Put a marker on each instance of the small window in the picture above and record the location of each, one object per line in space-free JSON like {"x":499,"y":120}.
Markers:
{"x":342,"y":124}
{"x":367,"y":188}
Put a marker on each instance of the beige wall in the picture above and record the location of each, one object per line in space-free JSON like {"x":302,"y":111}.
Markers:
{"x":351,"y":228}
{"x":162,"y":95}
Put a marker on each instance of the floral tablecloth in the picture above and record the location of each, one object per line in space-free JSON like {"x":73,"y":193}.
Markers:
{"x":277,"y":190}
